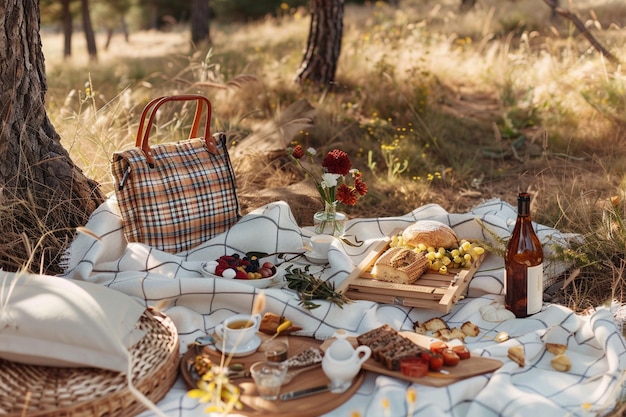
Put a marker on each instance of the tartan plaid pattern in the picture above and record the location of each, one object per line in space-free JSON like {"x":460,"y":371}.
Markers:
{"x":188,"y":197}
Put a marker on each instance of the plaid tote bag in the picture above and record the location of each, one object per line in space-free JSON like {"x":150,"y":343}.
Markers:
{"x":174,"y":196}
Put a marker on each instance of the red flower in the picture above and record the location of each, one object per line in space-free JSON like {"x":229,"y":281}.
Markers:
{"x":297,"y":152}
{"x":360,"y":185}
{"x":337,"y":162}
{"x":347,"y":195}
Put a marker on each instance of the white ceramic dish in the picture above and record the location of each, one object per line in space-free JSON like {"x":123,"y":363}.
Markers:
{"x":257,"y":283}
{"x":315,"y":258}
{"x":239,"y":351}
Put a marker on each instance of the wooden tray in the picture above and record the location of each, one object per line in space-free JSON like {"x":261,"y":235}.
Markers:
{"x":254,"y":405}
{"x":475,"y":365}
{"x":432,"y":290}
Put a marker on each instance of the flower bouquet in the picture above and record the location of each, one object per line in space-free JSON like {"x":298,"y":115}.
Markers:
{"x":332,"y":181}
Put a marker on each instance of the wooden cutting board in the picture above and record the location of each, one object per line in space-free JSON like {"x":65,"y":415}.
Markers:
{"x":475,"y":365}
{"x":432,"y":290}
{"x":255,"y":406}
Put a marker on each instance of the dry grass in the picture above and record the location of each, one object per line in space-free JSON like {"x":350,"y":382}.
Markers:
{"x":481,"y":105}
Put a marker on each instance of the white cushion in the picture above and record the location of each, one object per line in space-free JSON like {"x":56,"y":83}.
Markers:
{"x":52,"y":321}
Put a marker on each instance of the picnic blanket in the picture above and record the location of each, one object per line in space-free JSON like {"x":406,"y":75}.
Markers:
{"x":197,"y":304}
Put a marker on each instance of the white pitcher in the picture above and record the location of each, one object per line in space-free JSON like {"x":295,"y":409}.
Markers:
{"x":342,"y":362}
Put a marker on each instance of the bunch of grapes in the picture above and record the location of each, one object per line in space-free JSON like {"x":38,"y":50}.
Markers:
{"x":441,"y":259}
{"x":235,"y":266}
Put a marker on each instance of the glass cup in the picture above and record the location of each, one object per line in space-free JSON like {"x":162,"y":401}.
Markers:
{"x":276,"y":351}
{"x":268,"y":377}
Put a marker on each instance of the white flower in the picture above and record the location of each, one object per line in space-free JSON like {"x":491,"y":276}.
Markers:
{"x":311,"y":151}
{"x":329,"y":180}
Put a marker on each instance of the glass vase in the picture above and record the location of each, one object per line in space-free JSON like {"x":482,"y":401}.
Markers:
{"x":330,"y":221}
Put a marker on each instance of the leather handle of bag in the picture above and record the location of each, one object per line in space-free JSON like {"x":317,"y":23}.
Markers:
{"x":150,"y":111}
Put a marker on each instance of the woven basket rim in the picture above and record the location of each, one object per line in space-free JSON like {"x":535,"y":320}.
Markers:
{"x":91,"y":392}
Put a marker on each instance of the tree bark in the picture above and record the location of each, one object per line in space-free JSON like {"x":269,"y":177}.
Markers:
{"x":44,"y":196}
{"x":88,"y":28}
{"x":319,"y":63}
{"x":200,"y":22}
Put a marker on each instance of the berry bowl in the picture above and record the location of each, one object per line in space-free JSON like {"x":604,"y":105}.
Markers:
{"x":208,"y":270}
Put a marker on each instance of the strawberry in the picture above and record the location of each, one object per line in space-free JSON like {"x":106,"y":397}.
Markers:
{"x":241,"y":274}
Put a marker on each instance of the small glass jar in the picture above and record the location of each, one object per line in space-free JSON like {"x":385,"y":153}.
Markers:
{"x":276,"y":351}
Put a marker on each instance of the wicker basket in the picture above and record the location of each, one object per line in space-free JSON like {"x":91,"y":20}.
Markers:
{"x":27,"y":390}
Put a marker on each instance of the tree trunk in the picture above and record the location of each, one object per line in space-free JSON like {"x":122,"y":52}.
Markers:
{"x":319,"y":63}
{"x":88,"y":28}
{"x":154,"y":15}
{"x":553,"y":5}
{"x":200,"y":22}
{"x":44,"y":196}
{"x":467,"y":5}
{"x":125,"y":29}
{"x":67,"y":29}
{"x":108,"y":39}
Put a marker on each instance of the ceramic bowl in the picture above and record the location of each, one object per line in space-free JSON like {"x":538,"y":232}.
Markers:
{"x":257,"y":283}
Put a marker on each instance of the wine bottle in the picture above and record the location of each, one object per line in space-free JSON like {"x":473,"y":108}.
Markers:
{"x":523,"y":263}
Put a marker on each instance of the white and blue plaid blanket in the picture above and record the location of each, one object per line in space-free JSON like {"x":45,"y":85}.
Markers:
{"x":197,"y":304}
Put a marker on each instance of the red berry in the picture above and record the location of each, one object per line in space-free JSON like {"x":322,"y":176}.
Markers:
{"x":241,"y":275}
{"x":298,"y":152}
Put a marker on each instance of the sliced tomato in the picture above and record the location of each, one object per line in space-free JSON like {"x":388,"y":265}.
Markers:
{"x":438,"y":346}
{"x":462,"y":351}
{"x":414,"y":367}
{"x":450,"y":358}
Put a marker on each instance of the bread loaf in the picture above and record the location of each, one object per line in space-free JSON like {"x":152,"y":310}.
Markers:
{"x":271,"y":321}
{"x":400,"y":265}
{"x":430,"y":233}
{"x":381,"y":332}
{"x":388,"y":347}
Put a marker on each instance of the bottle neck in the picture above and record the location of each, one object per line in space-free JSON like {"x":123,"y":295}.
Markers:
{"x":523,"y":205}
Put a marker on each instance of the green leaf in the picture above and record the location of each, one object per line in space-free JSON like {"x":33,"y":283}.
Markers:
{"x":310,"y":287}
{"x":258,"y":255}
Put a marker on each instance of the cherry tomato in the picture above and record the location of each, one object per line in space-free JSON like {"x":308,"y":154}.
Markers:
{"x":462,"y":351}
{"x":435,"y":361}
{"x":450,"y":358}
{"x":438,"y":346}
